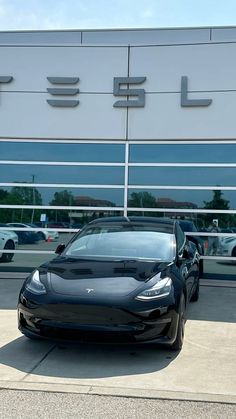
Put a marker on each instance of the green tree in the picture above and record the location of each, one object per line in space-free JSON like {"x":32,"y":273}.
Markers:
{"x":23,"y":195}
{"x":63,"y":198}
{"x":218,"y":202}
{"x":19,"y":195}
{"x":5,"y":213}
{"x":142,"y":199}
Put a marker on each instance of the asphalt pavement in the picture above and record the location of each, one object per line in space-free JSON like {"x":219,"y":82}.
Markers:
{"x":30,"y":405}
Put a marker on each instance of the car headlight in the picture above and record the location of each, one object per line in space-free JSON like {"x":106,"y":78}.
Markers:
{"x":35,"y":285}
{"x":162,"y":288}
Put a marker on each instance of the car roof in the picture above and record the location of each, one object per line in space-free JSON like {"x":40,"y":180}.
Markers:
{"x":159,"y":223}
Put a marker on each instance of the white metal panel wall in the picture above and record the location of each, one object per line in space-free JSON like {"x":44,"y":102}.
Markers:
{"x":29,"y":116}
{"x":25,"y":113}
{"x":163,"y":118}
{"x":30,"y":67}
{"x":146,"y":36}
{"x":208,"y":67}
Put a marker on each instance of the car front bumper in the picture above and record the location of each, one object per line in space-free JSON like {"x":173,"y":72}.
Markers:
{"x":97,"y":323}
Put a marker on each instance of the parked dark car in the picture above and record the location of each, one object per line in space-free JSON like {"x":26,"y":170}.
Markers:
{"x":25,"y":237}
{"x":118,"y":280}
{"x":189,"y":226}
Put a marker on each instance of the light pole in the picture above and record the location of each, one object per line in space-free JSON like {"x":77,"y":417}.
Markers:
{"x":32,"y":215}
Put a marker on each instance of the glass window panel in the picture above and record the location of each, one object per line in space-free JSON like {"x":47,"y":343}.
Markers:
{"x":149,"y":198}
{"x":185,"y":176}
{"x":201,"y":221}
{"x":217,"y":269}
{"x":113,"y":153}
{"x":183,"y":153}
{"x":101,"y":197}
{"x":62,"y":174}
{"x":56,"y":219}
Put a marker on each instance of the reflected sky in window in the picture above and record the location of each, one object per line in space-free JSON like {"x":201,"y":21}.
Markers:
{"x":113,"y":153}
{"x":62,"y":174}
{"x":183,"y":153}
{"x":185,"y":176}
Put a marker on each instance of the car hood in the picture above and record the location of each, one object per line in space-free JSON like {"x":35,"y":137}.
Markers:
{"x":101,"y":278}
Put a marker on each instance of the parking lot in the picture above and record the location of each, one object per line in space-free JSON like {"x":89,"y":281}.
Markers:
{"x":205,"y":369}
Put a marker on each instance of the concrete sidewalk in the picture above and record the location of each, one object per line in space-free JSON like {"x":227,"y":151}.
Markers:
{"x":204,"y":370}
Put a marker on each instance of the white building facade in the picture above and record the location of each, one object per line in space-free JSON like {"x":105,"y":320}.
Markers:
{"x":119,"y":122}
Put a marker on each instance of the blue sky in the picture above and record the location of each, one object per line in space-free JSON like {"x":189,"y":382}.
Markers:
{"x":91,"y":14}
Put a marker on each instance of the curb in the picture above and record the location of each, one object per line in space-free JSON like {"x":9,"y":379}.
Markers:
{"x":118,"y":392}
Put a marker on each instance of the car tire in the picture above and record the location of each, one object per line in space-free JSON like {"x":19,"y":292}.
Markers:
{"x":7,"y":257}
{"x":195,"y":296}
{"x":178,"y":343}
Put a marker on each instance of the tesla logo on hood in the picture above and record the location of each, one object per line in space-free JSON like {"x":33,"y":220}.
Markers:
{"x":89,"y":290}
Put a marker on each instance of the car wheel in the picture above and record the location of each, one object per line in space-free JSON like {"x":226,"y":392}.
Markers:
{"x":234,"y":252}
{"x":195,"y":295}
{"x":178,"y":343}
{"x":7,"y":257}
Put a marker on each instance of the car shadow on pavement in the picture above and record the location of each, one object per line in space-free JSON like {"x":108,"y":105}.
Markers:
{"x":81,"y":361}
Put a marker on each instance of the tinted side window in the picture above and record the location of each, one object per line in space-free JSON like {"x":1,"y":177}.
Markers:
{"x":180,"y":238}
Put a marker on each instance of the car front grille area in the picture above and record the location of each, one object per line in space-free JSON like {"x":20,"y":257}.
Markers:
{"x":80,"y":333}
{"x":86,"y":336}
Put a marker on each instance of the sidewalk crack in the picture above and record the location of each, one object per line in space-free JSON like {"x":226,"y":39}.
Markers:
{"x":39,"y":362}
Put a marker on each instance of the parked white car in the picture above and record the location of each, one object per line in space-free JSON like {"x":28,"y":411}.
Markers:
{"x":8,"y":240}
{"x":228,"y":246}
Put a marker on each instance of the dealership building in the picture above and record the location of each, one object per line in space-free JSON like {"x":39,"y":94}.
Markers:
{"x":119,"y":122}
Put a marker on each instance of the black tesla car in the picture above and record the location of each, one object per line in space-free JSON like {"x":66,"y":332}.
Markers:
{"x":118,"y":280}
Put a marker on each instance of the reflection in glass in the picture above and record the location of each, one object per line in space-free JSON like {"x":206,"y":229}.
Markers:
{"x":171,"y":198}
{"x":57,"y":219}
{"x":202,"y":221}
{"x":100,"y":197}
{"x":27,"y":262}
{"x":185,"y":176}
{"x":95,"y":175}
{"x":183,"y":153}
{"x":34,"y":151}
{"x":218,"y":269}
{"x":126,"y":243}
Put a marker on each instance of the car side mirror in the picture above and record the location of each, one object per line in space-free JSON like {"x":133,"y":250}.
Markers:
{"x":60,"y":248}
{"x":187,"y":254}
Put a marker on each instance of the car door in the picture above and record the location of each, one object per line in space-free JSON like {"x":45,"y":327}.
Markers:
{"x":185,"y":260}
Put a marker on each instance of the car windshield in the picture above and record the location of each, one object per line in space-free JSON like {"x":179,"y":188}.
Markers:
{"x":126,"y":243}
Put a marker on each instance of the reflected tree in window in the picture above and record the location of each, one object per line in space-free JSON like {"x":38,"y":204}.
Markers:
{"x":19,"y":196}
{"x":63,"y":198}
{"x":142,"y":200}
{"x":218,"y":202}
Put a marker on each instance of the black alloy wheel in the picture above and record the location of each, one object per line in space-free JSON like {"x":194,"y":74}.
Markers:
{"x":178,"y":343}
{"x":195,"y":295}
{"x":7,"y":257}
